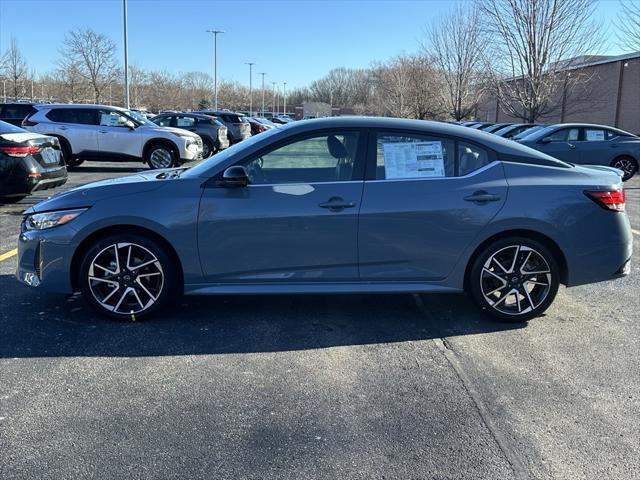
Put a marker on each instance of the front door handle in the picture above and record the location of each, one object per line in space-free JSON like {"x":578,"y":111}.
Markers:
{"x":571,"y":145}
{"x":104,"y":131}
{"x":482,"y":197}
{"x":335,"y":204}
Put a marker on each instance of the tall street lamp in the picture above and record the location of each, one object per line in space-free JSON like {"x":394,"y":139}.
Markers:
{"x":126,"y":56}
{"x":215,"y":66}
{"x":263,"y":74}
{"x":273,"y":99}
{"x":251,"y":64}
{"x":284,"y":98}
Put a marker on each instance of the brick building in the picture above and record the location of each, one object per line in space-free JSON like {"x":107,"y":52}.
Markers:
{"x":610,"y":96}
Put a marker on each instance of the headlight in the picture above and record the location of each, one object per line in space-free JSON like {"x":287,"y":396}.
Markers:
{"x":42,"y":221}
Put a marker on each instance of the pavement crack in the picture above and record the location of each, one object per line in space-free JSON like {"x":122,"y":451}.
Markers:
{"x":508,"y":450}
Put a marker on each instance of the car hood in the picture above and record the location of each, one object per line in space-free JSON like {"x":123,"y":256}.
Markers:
{"x":178,"y":131}
{"x":90,"y":193}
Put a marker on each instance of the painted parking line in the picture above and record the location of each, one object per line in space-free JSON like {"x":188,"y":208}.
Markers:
{"x":9,"y":254}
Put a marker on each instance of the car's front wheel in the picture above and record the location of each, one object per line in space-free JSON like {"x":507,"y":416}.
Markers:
{"x":514,"y":279}
{"x":160,"y":156}
{"x":127,"y":276}
{"x":207,"y":149}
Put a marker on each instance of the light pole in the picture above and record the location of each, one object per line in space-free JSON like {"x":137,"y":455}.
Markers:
{"x":251,"y":64}
{"x":273,"y":99}
{"x":215,"y":66}
{"x":263,"y":74}
{"x":126,"y":56}
{"x":284,"y":98}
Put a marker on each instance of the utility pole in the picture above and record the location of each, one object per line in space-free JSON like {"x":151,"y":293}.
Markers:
{"x":284,"y":98}
{"x":273,"y":99}
{"x":263,"y":74}
{"x":251,"y":64}
{"x":126,"y":56}
{"x":215,"y":66}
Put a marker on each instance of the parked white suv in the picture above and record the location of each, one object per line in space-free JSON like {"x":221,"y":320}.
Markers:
{"x":98,"y":132}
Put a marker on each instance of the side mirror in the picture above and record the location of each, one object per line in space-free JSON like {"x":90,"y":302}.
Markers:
{"x":130,"y":124}
{"x":545,"y":140}
{"x":235,"y":176}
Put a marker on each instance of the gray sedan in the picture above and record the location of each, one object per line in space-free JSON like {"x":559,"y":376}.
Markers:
{"x":337,"y":205}
{"x":587,"y":144}
{"x":211,"y":130}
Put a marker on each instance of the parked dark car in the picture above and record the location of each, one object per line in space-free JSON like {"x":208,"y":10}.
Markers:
{"x":213,"y":133}
{"x":527,"y":131}
{"x":511,"y":131}
{"x":266,"y":122}
{"x":15,"y":113}
{"x":495,"y":127}
{"x":28,"y":162}
{"x":481,"y":125}
{"x":259,"y":124}
{"x":587,"y":144}
{"x":337,"y":205}
{"x":281,"y":120}
{"x":237,"y":130}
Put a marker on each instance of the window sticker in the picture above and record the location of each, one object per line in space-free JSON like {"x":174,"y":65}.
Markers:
{"x":595,"y":135}
{"x":109,"y":120}
{"x":413,"y":160}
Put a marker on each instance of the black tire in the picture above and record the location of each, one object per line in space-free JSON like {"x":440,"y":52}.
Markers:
{"x":628,"y":165}
{"x":151,"y":290}
{"x":208,"y":148}
{"x":504,"y":303}
{"x":160,"y":155}
{"x":69,"y":160}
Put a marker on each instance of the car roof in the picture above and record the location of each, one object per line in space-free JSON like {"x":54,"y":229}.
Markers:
{"x":187,"y":114}
{"x":588,"y":125}
{"x":76,"y":105}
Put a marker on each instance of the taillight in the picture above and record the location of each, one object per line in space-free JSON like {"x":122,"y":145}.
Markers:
{"x":21,"y":151}
{"x":608,"y":199}
{"x":29,"y":123}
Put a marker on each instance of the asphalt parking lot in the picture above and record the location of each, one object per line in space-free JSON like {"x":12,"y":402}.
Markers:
{"x":372,"y":387}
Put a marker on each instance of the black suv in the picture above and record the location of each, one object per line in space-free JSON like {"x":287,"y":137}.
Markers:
{"x":15,"y":113}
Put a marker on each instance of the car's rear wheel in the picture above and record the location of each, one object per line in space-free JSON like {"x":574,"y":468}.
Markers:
{"x":160,"y":156}
{"x":514,"y":279}
{"x":127,"y":276}
{"x":628,"y":165}
{"x":207,"y":149}
{"x":67,"y":156}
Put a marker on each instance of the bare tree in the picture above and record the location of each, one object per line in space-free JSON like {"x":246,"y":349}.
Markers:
{"x":456,"y":44}
{"x":629,"y":25}
{"x":72,"y":83}
{"x":16,"y":70}
{"x":392,"y":85}
{"x":94,"y":54}
{"x":533,"y":43}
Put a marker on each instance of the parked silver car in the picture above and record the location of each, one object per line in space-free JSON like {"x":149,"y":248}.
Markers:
{"x":237,"y":130}
{"x":211,"y":130}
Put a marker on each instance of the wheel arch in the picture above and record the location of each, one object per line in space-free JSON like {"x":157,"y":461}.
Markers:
{"x":547,"y":241}
{"x":86,"y":243}
{"x":160,"y":141}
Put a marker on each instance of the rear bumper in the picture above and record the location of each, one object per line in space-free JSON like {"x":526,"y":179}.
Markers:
{"x":22,"y":179}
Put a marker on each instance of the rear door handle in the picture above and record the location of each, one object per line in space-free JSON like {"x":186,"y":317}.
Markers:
{"x":335,"y":204}
{"x":482,"y":197}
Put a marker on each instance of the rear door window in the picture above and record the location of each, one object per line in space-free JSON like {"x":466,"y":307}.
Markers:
{"x":81,"y":116}
{"x":163,"y":121}
{"x":400,"y":155}
{"x":16,"y":112}
{"x":565,"y":135}
{"x":595,"y":135}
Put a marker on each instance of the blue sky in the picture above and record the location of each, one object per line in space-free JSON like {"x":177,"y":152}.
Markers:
{"x":293,"y":41}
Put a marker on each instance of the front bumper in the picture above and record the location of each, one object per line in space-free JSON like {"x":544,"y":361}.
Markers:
{"x":191,"y":152}
{"x":44,"y":259}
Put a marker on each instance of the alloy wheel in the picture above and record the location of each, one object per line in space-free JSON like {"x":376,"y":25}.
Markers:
{"x":206,"y":150}
{"x":125,"y":278}
{"x":515,"y":280}
{"x":161,"y":158}
{"x":627,"y":165}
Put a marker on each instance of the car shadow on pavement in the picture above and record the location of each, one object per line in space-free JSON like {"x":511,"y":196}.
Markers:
{"x":34,"y":324}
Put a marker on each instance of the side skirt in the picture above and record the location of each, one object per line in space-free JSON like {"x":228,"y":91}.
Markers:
{"x":310,"y":288}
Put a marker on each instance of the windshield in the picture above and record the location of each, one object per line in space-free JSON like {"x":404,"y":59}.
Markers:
{"x":8,"y":128}
{"x":503,"y":130}
{"x":528,"y":132}
{"x":141,"y":119}
{"x":210,"y":162}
